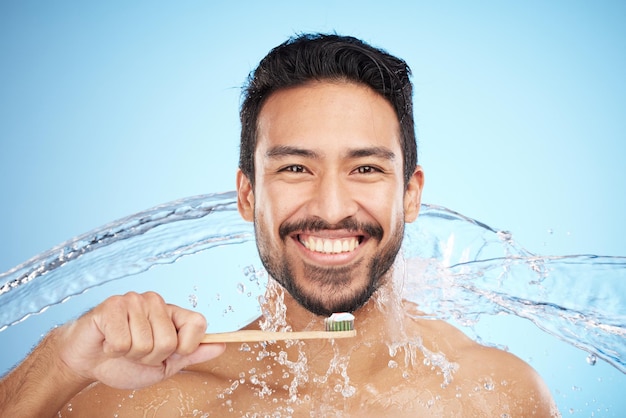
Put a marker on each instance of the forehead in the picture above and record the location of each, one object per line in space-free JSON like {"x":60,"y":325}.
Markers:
{"x":328,"y":116}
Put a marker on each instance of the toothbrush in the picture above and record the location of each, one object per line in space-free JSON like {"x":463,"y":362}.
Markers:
{"x":338,"y":325}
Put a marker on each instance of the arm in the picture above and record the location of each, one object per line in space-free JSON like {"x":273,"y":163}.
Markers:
{"x":41,"y":385}
{"x":127,"y":342}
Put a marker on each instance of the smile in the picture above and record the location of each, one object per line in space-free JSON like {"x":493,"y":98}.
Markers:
{"x":330,"y":245}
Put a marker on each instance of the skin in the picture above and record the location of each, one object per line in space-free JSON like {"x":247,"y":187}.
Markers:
{"x":307,"y":167}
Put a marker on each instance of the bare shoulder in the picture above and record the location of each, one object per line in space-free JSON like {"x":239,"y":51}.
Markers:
{"x":490,"y":378}
{"x":518,"y":384}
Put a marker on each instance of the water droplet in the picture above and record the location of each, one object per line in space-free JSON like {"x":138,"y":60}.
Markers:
{"x":592,"y":359}
{"x":348,"y":391}
{"x":241,"y":288}
{"x":505,"y":235}
{"x":392,"y":364}
{"x":321,"y":379}
{"x":193,"y":300}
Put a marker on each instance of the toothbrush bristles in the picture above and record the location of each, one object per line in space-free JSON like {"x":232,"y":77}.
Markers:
{"x":339,"y":322}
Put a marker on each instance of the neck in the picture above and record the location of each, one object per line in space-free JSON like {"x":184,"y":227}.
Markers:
{"x":377,"y":322}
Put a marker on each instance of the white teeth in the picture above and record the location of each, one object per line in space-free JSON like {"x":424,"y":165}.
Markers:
{"x":331,"y":246}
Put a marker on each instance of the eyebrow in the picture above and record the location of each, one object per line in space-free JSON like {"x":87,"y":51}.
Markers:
{"x":280,"y":151}
{"x":379,"y":152}
{"x":289,"y":151}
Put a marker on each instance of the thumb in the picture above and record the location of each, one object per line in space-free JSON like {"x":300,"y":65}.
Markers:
{"x":204,"y":352}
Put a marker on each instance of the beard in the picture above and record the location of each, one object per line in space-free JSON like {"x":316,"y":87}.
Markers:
{"x":334,"y":288}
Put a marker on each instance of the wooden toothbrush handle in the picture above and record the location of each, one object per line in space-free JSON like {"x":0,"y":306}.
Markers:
{"x":256,"y":335}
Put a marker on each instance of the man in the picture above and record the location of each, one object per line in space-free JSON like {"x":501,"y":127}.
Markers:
{"x":329,"y":175}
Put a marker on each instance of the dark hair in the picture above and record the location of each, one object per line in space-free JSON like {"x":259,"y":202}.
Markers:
{"x":316,"y":57}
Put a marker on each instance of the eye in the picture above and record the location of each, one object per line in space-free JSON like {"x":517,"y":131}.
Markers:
{"x":367,"y":169}
{"x":296,"y":168}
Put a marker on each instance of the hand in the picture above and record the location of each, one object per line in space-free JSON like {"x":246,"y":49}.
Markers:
{"x":135,"y":340}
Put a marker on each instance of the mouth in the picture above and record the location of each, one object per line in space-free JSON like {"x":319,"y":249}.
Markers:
{"x":330,"y":245}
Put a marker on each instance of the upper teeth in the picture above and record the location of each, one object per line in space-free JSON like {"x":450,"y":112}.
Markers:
{"x":330,"y":246}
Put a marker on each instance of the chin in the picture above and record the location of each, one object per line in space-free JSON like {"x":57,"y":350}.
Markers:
{"x":328,"y":301}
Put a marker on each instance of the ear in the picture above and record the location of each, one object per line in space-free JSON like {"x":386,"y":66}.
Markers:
{"x":413,"y":195}
{"x":245,"y":197}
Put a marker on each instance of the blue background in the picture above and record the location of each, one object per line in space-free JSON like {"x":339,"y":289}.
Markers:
{"x":109,"y":108}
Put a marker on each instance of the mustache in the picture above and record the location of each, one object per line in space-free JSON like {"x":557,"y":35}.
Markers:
{"x":317,"y":224}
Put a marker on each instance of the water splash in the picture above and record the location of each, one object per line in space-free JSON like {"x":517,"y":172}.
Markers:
{"x":414,"y":350}
{"x":123,"y":248}
{"x":471,"y":270}
{"x":458,"y":268}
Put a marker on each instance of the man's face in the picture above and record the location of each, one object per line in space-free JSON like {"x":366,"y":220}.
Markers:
{"x":329,"y":202}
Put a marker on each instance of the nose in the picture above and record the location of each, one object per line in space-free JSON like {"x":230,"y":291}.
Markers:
{"x":332,"y":199}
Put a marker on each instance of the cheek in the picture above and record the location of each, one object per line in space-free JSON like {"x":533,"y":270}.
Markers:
{"x":283,"y":201}
{"x":270,"y":212}
{"x":384,"y":204}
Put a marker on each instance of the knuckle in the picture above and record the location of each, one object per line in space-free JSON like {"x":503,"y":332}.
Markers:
{"x":120,"y":302}
{"x":168,"y":343}
{"x":118,"y":346}
{"x":153,"y":297}
{"x":132,"y":296}
{"x":113,"y":302}
{"x":198,"y":321}
{"x":142,"y":346}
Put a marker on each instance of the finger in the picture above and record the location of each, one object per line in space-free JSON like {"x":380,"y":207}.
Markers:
{"x":164,"y":333}
{"x":142,"y":340}
{"x":191,"y":327}
{"x":204,"y":352}
{"x":111,"y":320}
